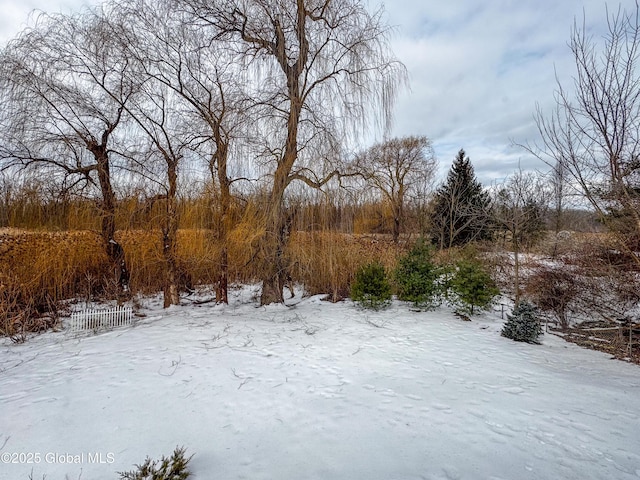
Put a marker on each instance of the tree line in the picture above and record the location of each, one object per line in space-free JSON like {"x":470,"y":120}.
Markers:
{"x":148,"y":100}
{"x":258,"y":91}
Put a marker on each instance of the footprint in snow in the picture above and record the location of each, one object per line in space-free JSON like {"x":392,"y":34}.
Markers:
{"x":443,"y":408}
{"x":513,"y":390}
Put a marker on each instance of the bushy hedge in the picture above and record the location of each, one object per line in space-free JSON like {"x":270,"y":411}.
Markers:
{"x":370,"y":288}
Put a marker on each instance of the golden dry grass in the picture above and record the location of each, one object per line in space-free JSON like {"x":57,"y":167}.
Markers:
{"x":49,"y":266}
{"x":38,"y":269}
{"x":326,"y":262}
{"x":43,"y":267}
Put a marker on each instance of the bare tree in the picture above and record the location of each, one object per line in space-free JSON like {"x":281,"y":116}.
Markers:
{"x":593,"y":131}
{"x":399,"y":168}
{"x":181,"y":58}
{"x":160,"y":116}
{"x":559,"y":196}
{"x":56,"y":117}
{"x":557,"y":290}
{"x":322,"y":70}
{"x":518,"y":209}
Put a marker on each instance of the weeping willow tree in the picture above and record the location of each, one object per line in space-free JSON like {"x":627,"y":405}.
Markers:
{"x":174,"y":52}
{"x":322,"y":73}
{"x":57,"y":120}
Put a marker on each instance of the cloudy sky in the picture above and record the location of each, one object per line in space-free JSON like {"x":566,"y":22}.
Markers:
{"x":476,"y":68}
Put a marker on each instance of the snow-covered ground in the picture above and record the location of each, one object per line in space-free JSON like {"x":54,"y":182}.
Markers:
{"x":316,"y":391}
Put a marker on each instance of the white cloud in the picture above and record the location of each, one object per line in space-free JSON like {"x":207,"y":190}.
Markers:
{"x":477,"y":69}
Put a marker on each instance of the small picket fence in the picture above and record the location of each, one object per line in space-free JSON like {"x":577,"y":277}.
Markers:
{"x":101,"y":319}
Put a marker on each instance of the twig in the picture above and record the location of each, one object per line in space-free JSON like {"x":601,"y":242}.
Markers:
{"x":4,"y":444}
{"x":244,"y":379}
{"x":19,"y":363}
{"x":174,"y":365}
{"x":374,"y":324}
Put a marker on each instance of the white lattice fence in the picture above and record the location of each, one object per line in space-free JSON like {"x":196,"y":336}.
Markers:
{"x":101,"y":319}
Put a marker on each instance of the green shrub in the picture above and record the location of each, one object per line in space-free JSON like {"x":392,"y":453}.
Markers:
{"x":417,"y":277}
{"x":471,"y":286}
{"x":523,"y":325}
{"x":172,"y":468}
{"x":370,"y":288}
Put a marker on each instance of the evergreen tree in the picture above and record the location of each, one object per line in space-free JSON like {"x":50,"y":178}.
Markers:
{"x":523,"y":324}
{"x":417,"y":277}
{"x":472,"y":288}
{"x":370,"y":288}
{"x":172,"y":468}
{"x":461,"y":210}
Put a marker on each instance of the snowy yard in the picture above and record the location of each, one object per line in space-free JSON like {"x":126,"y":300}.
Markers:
{"x":316,"y":391}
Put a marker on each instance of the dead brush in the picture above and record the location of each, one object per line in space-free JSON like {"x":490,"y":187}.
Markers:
{"x":143,"y":252}
{"x":326,"y":262}
{"x":243,"y":245}
{"x":40,"y":269}
{"x":198,"y":253}
{"x":13,"y":315}
{"x":19,"y":315}
{"x":197,"y":259}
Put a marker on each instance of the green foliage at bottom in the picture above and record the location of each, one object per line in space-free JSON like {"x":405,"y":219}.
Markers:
{"x":523,"y":324}
{"x":471,"y":286}
{"x":172,"y":468}
{"x":370,"y":288}
{"x":417,"y":277}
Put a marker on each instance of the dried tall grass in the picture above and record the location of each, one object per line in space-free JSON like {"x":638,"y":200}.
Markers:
{"x":326,"y":262}
{"x":39,"y":269}
{"x":45,"y":267}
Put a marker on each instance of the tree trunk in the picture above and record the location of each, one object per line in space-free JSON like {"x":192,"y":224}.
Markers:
{"x":222,"y":286}
{"x":113,"y":249}
{"x":274,"y":273}
{"x":397,"y":220}
{"x":170,"y":289}
{"x":396,"y":229}
{"x":558,"y":214}
{"x":223,"y":228}
{"x":273,"y":284}
{"x":276,"y":231}
{"x":398,"y":213}
{"x":170,"y":240}
{"x":223,"y":224}
{"x":516,"y":271}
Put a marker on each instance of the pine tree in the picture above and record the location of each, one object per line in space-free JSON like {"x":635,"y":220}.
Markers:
{"x":417,"y":277}
{"x":472,"y":287}
{"x":461,"y":211}
{"x":523,"y":324}
{"x":370,"y":288}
